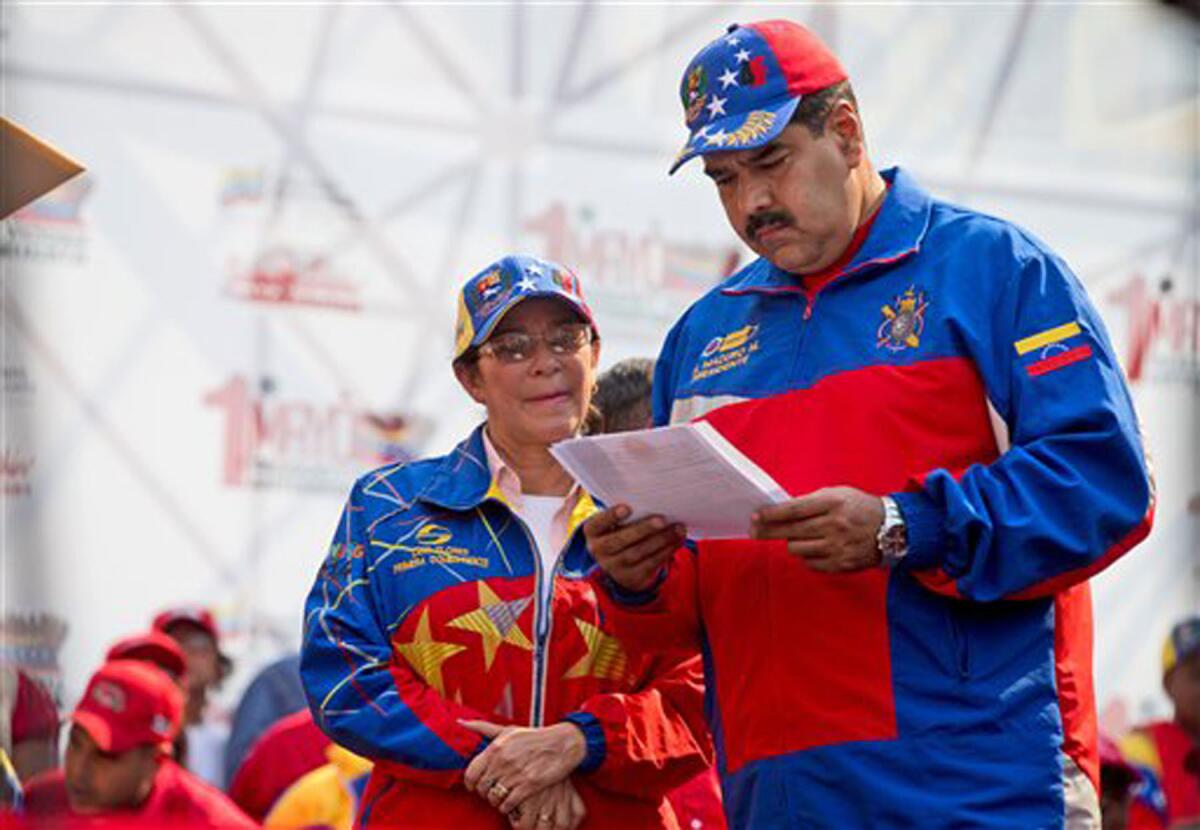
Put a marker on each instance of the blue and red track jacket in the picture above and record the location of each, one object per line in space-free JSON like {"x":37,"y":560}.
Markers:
{"x":957,"y":364}
{"x":426,"y":611}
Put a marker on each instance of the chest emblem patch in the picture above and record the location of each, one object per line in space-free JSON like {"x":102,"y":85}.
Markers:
{"x":726,"y":352}
{"x":903,"y":322}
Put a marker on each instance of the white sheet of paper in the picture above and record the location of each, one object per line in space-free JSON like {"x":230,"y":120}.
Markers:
{"x":688,"y":473}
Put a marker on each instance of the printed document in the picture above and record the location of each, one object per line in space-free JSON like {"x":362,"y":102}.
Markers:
{"x":688,"y":473}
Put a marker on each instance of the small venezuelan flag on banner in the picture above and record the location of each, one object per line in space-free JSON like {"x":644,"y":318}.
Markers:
{"x":1055,"y":354}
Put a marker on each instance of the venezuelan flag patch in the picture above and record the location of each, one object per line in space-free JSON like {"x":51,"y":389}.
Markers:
{"x":1053,"y":350}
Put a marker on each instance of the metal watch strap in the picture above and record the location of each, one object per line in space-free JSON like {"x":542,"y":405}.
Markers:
{"x":892,"y":537}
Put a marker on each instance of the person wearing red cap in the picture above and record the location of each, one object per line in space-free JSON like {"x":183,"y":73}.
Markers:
{"x":1167,"y":753}
{"x":158,"y":649}
{"x":153,"y":647}
{"x":907,"y":641}
{"x":195,"y":631}
{"x":118,"y":769}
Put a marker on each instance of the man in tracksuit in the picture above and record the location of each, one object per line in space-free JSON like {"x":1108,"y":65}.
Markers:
{"x":907,"y":642}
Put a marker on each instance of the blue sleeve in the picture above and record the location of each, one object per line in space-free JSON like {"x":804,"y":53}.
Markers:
{"x":361,"y":695}
{"x":1072,"y":491}
{"x":663,"y":389}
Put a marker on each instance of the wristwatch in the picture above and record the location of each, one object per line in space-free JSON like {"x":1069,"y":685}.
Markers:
{"x":892,"y":537}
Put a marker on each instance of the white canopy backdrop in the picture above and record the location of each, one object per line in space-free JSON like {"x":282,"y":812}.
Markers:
{"x":249,"y":298}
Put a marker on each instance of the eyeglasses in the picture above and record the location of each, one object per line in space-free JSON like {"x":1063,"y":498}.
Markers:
{"x":519,"y":346}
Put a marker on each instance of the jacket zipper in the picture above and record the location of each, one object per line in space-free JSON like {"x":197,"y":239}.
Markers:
{"x":543,"y":637}
{"x":539,"y":642}
{"x":810,"y":301}
{"x":543,"y":618}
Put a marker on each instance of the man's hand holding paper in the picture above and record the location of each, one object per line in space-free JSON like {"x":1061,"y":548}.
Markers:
{"x":633,"y":553}
{"x":834,"y":529}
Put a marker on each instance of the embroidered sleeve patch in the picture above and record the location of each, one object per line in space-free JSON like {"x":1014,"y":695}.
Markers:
{"x":1054,"y":353}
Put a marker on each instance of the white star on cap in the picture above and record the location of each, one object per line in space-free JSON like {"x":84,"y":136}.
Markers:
{"x":716,"y":106}
{"x":716,"y":138}
{"x":526,"y":284}
{"x":728,"y":79}
{"x":700,"y":133}
{"x":732,"y":40}
{"x":536,"y":270}
{"x":742,"y":56}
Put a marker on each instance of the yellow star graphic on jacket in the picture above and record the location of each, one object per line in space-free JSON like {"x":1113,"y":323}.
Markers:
{"x":605,"y":658}
{"x":426,"y":656}
{"x":495,"y":621}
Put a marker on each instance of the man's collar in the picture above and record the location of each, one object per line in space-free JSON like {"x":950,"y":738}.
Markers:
{"x":897,"y":234}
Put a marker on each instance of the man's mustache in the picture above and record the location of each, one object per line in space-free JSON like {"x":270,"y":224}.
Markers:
{"x":768,"y":217}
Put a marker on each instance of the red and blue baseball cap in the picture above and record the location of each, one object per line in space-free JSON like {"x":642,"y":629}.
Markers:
{"x":740,"y":90}
{"x":495,"y":290}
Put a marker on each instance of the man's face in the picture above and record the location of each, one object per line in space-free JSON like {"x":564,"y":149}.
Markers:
{"x":1183,"y":687}
{"x":203,"y":666}
{"x":100,"y":782}
{"x":792,"y":200}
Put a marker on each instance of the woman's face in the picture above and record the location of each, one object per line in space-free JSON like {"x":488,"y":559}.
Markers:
{"x":543,"y":397}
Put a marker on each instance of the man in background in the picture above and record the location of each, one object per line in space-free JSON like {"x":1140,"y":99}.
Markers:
{"x":1167,"y":753}
{"x":118,"y":768}
{"x":195,"y":630}
{"x":621,"y":401}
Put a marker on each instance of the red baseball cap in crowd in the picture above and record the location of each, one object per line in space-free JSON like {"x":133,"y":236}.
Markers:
{"x":199,"y":617}
{"x":151,"y":646}
{"x":196,"y":616}
{"x":130,"y":703}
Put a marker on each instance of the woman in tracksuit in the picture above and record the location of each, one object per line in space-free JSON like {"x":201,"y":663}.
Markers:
{"x":454,"y":636}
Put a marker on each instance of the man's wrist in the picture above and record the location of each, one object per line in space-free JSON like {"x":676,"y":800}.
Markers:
{"x":634,"y":597}
{"x":891,"y":540}
{"x":925,"y":522}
